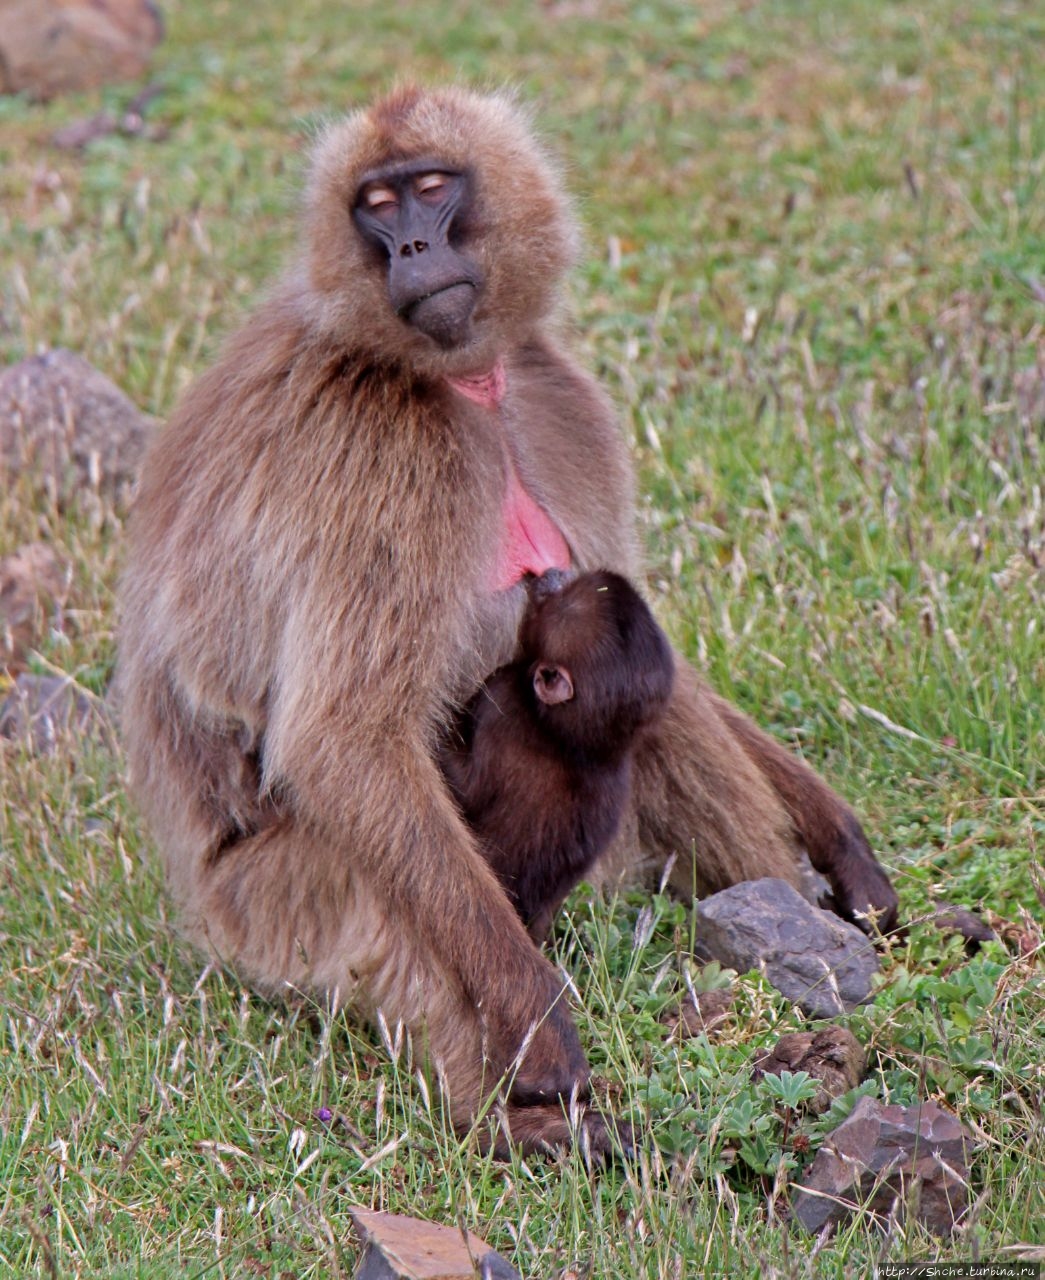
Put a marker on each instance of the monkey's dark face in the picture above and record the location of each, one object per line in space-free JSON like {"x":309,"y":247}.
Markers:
{"x":417,"y":216}
{"x":460,"y":175}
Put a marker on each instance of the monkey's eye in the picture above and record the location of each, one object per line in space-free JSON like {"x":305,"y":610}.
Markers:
{"x":380,"y":199}
{"x":432,"y":186}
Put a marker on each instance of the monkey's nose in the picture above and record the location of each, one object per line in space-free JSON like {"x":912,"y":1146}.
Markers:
{"x":411,"y":247}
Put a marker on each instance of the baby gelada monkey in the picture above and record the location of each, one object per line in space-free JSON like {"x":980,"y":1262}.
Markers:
{"x":540,"y":759}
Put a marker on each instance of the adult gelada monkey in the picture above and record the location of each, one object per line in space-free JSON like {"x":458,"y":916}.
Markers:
{"x":326,"y":558}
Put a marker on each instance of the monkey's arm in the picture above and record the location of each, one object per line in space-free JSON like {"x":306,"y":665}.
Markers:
{"x":483,"y":753}
{"x":827,"y":827}
{"x":370,"y":787}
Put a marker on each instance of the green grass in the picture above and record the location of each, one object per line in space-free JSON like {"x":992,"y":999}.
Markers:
{"x":814,"y":284}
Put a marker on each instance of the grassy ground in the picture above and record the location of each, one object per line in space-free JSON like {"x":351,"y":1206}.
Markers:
{"x":815,"y":285}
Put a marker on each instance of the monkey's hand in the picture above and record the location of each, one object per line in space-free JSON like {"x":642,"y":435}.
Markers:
{"x":862,"y":890}
{"x":540,"y":1051}
{"x":553,"y":1128}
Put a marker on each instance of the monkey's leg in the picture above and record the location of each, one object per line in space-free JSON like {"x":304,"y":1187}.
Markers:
{"x":731,"y":804}
{"x":828,"y":828}
{"x":267,"y":906}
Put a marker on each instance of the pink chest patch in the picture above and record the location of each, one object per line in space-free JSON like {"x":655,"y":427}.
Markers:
{"x":486,"y":389}
{"x":531,"y":542}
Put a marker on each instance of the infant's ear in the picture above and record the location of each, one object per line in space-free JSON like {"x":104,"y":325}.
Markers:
{"x":552,"y":684}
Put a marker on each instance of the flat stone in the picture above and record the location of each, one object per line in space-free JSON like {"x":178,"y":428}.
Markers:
{"x":401,"y":1248}
{"x":697,"y":1017}
{"x":70,"y":428}
{"x":813,"y":957}
{"x":883,"y":1157}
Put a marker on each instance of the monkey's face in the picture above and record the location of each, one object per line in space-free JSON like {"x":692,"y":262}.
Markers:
{"x":438,"y":232}
{"x":418,"y":215}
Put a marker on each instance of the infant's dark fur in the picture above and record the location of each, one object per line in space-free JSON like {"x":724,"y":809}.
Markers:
{"x":540,"y":760}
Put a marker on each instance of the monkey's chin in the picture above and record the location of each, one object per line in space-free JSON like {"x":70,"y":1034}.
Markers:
{"x":446,"y":316}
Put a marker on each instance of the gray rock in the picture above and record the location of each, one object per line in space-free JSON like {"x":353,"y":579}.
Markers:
{"x":883,"y":1157}
{"x":41,"y":710}
{"x":33,"y":587}
{"x":400,"y":1248}
{"x":49,"y":47}
{"x":815,"y":958}
{"x":70,"y":428}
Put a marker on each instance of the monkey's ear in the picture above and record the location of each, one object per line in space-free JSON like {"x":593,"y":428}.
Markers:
{"x":552,"y":684}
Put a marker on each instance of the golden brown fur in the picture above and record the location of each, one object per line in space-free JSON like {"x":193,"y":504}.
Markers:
{"x":307,"y":597}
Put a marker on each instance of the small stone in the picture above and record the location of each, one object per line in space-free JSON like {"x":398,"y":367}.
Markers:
{"x":81,"y":133}
{"x":70,"y":428}
{"x":41,"y":710}
{"x":33,"y":583}
{"x":49,"y":47}
{"x":881,"y":1156}
{"x":708,"y":1012}
{"x":833,"y":1056}
{"x":1025,"y":935}
{"x":815,"y":958}
{"x":401,"y":1248}
{"x":78,"y":134}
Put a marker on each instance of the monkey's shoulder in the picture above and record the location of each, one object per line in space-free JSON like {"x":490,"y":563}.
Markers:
{"x":552,"y":380}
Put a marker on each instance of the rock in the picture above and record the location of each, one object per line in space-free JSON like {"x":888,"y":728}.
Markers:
{"x":70,"y":427}
{"x":77,"y":135}
{"x":881,"y":1154}
{"x":833,"y":1056}
{"x":43,"y":709}
{"x":816,"y":959}
{"x":694,"y":1018}
{"x":400,"y":1248}
{"x":49,"y":47}
{"x":33,"y":583}
{"x":1025,"y":936}
{"x":81,"y":133}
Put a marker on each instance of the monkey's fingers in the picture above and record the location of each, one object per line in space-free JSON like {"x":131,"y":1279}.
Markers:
{"x":550,"y":1067}
{"x":863,"y":892}
{"x":550,"y":1130}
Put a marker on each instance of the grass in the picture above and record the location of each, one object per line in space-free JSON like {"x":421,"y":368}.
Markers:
{"x":814,"y":284}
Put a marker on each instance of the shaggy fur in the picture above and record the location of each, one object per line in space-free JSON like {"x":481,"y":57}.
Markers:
{"x":544,"y":784}
{"x":306,"y":601}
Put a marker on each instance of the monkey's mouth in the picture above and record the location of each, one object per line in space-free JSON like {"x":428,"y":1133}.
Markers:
{"x":444,"y":314}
